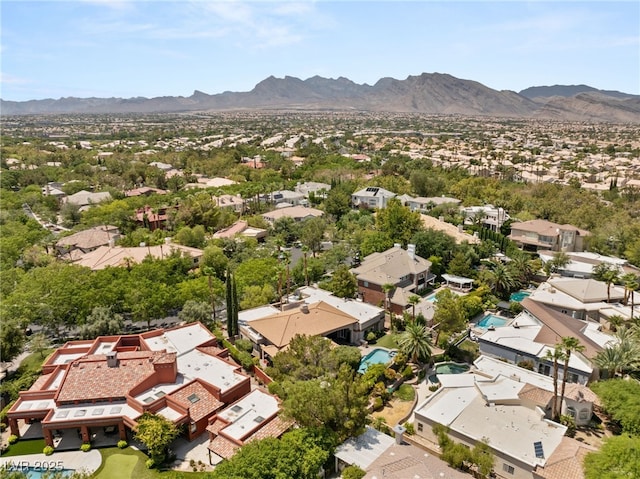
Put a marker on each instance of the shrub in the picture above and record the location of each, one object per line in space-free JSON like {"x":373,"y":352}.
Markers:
{"x":526,"y":364}
{"x":371,"y":337}
{"x":411,"y":430}
{"x":13,"y":439}
{"x":47,"y":451}
{"x":3,"y":427}
{"x":352,"y":472}
{"x":407,"y":373}
{"x":244,"y":345}
{"x":568,"y":421}
{"x":434,"y":387}
{"x":150,"y":463}
{"x":86,"y":447}
{"x":377,"y":404}
{"x":122,"y":444}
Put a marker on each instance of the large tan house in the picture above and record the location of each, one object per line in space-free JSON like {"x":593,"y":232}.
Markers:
{"x":403,"y":269}
{"x":537,"y":235}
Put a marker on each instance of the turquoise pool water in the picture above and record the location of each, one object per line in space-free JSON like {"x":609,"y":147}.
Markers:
{"x":39,"y":472}
{"x":377,"y":356}
{"x":431,"y":297}
{"x":451,"y":368}
{"x":519,"y":296}
{"x":491,"y":320}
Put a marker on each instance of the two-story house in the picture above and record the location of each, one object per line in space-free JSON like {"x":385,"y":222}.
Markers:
{"x":407,"y":272}
{"x":537,"y":235}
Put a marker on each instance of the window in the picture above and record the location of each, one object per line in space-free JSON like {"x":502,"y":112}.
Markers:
{"x":193,"y":427}
{"x":365,"y":284}
{"x":584,"y":414}
{"x":193,"y":398}
{"x":420,"y":427}
{"x":508,"y":469}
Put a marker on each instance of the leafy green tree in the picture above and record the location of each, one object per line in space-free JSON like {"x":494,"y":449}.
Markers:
{"x":430,"y":242}
{"x":298,"y":454}
{"x":157,"y":433}
{"x":194,"y":237}
{"x":415,"y":342}
{"x":449,"y":315}
{"x":374,"y":242}
{"x":12,"y":339}
{"x":286,"y":229}
{"x":343,"y":283}
{"x":460,"y":265}
{"x":482,"y":456}
{"x":621,"y":399}
{"x":353,"y":472}
{"x":338,"y":403}
{"x":312,"y":234}
{"x":398,"y":222}
{"x":195,"y":311}
{"x":618,"y":458}
{"x":102,"y":321}
{"x":254,"y":296}
{"x":337,"y":203}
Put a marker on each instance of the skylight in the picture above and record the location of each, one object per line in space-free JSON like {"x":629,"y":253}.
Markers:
{"x":193,"y":398}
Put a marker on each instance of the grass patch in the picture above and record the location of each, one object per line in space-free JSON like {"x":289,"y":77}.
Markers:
{"x":405,"y":392}
{"x":31,"y":446}
{"x":129,"y":463}
{"x":34,"y":361}
{"x":388,"y":341}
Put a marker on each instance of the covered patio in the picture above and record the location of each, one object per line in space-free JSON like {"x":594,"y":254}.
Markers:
{"x":458,"y":282}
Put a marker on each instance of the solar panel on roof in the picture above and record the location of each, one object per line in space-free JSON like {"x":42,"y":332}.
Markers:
{"x":537,"y":446}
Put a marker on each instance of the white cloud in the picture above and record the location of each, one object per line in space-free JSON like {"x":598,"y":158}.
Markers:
{"x":7,"y":79}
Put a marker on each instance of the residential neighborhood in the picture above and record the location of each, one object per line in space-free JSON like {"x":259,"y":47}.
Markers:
{"x":401,"y":303}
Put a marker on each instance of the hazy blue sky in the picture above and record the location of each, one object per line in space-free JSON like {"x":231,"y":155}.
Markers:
{"x":126,"y":48}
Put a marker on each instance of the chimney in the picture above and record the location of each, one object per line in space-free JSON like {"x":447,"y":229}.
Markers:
{"x":143,"y":244}
{"x":304,"y":307}
{"x":399,"y":431}
{"x":112,"y":359}
{"x":167,"y":240}
{"x":411,"y":250}
{"x":397,"y":245}
{"x":112,"y":243}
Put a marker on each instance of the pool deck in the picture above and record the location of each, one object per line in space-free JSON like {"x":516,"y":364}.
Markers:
{"x":88,"y":462}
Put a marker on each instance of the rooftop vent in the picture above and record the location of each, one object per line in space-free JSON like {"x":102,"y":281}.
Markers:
{"x":304,"y":308}
{"x":112,"y":359}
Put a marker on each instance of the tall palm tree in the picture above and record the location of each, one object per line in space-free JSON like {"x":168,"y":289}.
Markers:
{"x":413,"y":300}
{"x":556,"y":355}
{"x":501,"y":278}
{"x":607,"y":273}
{"x":624,"y":355}
{"x":631,"y":284}
{"x":415,"y":342}
{"x":569,"y":345}
{"x":386,"y":289}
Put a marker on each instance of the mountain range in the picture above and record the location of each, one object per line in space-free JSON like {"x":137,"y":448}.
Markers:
{"x":428,"y":93}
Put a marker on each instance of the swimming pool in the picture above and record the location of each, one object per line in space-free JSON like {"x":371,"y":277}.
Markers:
{"x":491,"y":320}
{"x":519,"y":295}
{"x":431,"y":297}
{"x":39,"y":472}
{"x":451,"y":368}
{"x":376,"y":356}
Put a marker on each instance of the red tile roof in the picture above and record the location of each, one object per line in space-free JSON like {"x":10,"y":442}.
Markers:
{"x":195,"y":397}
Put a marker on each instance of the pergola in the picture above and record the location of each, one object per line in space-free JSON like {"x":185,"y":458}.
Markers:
{"x":458,"y":282}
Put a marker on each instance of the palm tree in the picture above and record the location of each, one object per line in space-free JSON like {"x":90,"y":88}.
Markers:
{"x":555,"y":356}
{"x":500,"y":278}
{"x":622,"y":356}
{"x":568,"y":344}
{"x":607,"y":273}
{"x":413,"y":300}
{"x":415,"y":342}
{"x":386,"y":289}
{"x":631,"y":284}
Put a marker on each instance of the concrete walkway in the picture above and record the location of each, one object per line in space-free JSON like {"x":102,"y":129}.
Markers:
{"x":88,"y":462}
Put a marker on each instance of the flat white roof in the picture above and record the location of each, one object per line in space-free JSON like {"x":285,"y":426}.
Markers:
{"x":249,"y":413}
{"x":199,"y":365}
{"x":547,"y":294}
{"x":180,"y":340}
{"x":64,"y":358}
{"x":495,"y":367}
{"x":363,"y":450}
{"x":170,"y":413}
{"x":500,"y":389}
{"x":160,"y":390}
{"x":362,"y":312}
{"x":511,"y":429}
{"x":92,"y":411}
{"x":260,"y":312}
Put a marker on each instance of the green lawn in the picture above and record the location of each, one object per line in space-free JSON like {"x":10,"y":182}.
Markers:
{"x":129,"y":463}
{"x":32,"y":446}
{"x":405,"y":392}
{"x":387,"y":341}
